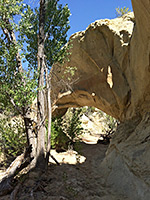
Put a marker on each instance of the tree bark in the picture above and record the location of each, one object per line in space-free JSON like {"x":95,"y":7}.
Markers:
{"x":41,"y":102}
{"x":38,"y":142}
{"x":49,"y":110}
{"x":7,"y":182}
{"x":31,"y":139}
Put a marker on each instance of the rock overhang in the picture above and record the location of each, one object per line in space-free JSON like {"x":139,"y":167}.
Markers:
{"x":100,"y":55}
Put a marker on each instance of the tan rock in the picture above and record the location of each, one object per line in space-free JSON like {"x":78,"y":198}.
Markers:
{"x":126,"y":165}
{"x":113,"y":66}
{"x":69,"y":157}
{"x":101,"y":55}
{"x":112,"y":58}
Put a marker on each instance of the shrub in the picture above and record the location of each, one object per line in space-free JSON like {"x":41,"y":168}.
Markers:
{"x":59,"y":139}
{"x":121,"y":11}
{"x":12,"y":138}
{"x":111,"y":124}
{"x":88,"y":110}
{"x":109,"y":129}
{"x":72,"y":124}
{"x":65,"y":130}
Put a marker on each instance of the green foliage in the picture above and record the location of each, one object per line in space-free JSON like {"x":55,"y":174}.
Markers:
{"x":23,"y":21}
{"x":12,"y":138}
{"x":121,"y":11}
{"x":72,"y":124}
{"x":111,"y":124}
{"x":56,"y":27}
{"x":69,"y":72}
{"x":15,"y":84}
{"x":66,"y":130}
{"x":19,"y":32}
{"x":88,"y":110}
{"x":59,"y":140}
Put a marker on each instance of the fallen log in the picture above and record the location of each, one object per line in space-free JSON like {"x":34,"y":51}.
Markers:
{"x":7,"y":178}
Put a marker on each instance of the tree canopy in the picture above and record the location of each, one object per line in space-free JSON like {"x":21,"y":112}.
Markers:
{"x":31,"y":41}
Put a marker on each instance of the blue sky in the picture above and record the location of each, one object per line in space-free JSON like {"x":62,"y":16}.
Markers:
{"x":85,"y":12}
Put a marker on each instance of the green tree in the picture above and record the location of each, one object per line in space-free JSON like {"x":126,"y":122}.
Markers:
{"x":35,"y":37}
{"x":67,"y":129}
{"x":73,"y":124}
{"x":121,"y":11}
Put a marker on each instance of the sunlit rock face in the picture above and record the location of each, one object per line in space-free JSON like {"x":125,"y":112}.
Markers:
{"x":112,"y":58}
{"x":126,"y":166}
{"x":100,"y":56}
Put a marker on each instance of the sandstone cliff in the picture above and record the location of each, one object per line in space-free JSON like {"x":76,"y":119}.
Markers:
{"x":112,"y":58}
{"x":101,"y":58}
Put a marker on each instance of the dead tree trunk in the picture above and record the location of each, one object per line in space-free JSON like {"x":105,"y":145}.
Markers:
{"x":7,"y":180}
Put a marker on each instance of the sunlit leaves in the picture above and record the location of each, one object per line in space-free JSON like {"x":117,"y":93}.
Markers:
{"x":56,"y":28}
{"x":121,"y":11}
{"x":13,"y":140}
{"x":13,"y":21}
{"x":20,"y":18}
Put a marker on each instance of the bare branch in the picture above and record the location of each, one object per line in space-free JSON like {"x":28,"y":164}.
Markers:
{"x":13,"y":103}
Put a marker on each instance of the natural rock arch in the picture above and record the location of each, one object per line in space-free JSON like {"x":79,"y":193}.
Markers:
{"x":112,"y":58}
{"x":101,"y":56}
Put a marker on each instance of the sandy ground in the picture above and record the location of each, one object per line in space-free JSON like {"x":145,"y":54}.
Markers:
{"x":78,"y":177}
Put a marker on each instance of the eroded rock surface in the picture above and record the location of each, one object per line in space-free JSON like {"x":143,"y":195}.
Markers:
{"x":112,"y":58}
{"x":126,"y":165}
{"x":101,"y":56}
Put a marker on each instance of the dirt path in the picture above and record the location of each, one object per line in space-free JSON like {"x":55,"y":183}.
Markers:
{"x":68,"y":181}
{"x":78,"y":177}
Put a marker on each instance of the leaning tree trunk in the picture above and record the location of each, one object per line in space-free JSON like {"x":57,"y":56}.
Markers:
{"x":7,"y":180}
{"x":38,"y":154}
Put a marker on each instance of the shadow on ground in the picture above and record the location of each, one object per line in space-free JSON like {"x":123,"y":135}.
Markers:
{"x":68,"y":181}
